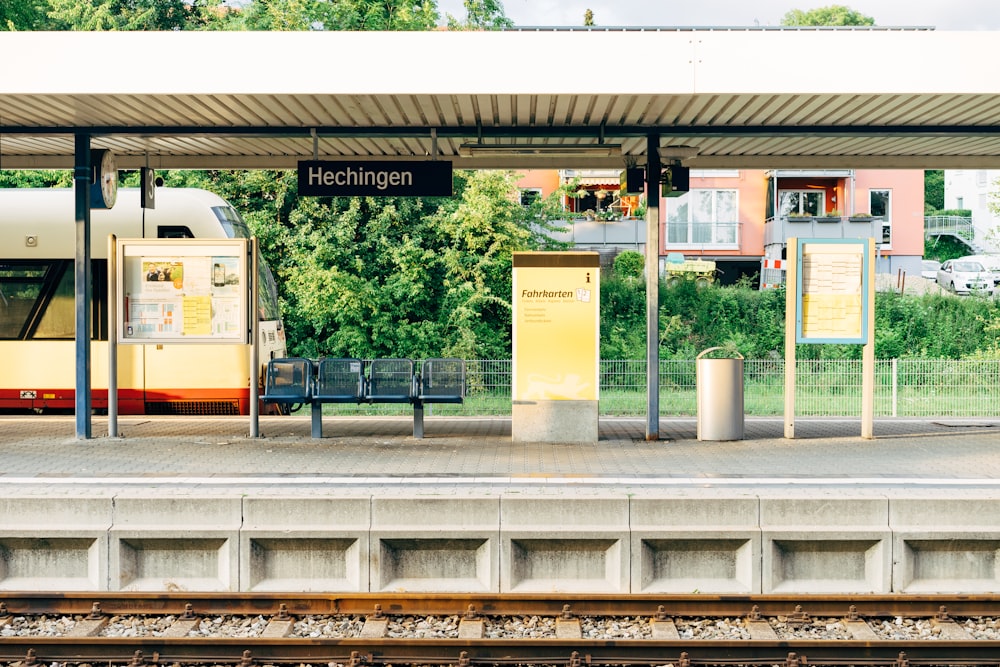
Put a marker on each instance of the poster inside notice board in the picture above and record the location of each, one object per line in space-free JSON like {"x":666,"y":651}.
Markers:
{"x":183,"y":291}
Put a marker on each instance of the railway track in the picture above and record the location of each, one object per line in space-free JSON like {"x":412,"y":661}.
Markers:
{"x":464,"y":630}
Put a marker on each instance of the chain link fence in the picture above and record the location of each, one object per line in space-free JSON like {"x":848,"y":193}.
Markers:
{"x":824,"y":388}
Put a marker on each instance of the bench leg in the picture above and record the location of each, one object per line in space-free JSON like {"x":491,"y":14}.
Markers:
{"x":317,"y":420}
{"x":418,"y":419}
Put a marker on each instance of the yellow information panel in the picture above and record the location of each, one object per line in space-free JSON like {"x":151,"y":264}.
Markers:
{"x":832,"y":291}
{"x":556,"y":326}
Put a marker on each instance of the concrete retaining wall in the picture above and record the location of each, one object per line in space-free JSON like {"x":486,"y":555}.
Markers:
{"x":588,"y":541}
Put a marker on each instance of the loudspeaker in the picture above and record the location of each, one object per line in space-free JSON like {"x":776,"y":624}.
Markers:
{"x":633,"y":181}
{"x":675,"y":180}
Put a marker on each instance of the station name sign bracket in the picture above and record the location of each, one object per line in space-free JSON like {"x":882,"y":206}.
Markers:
{"x":353,"y":178}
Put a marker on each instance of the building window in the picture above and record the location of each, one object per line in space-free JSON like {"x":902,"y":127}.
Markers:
{"x":715,"y":173}
{"x":704,"y":218}
{"x":801,"y":202}
{"x":880,"y":205}
{"x":530,"y":195}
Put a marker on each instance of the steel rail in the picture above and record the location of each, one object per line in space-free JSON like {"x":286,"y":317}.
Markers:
{"x":573,"y":653}
{"x":869,"y":606}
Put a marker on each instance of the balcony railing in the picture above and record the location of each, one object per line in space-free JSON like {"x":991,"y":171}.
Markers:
{"x":955,"y":225}
{"x":703,"y":235}
{"x":779,"y":230}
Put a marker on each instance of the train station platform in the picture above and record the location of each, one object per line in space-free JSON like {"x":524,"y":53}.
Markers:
{"x":193,"y":503}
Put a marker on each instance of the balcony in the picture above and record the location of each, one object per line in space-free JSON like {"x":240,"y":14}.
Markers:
{"x":582,"y":232}
{"x":777,"y":231}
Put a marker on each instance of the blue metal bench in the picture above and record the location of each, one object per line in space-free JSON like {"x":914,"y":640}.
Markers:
{"x":300,"y":381}
{"x":289,"y":381}
{"x":439,"y":381}
{"x":337,"y":381}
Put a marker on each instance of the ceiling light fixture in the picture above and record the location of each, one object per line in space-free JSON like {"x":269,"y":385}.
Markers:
{"x":549,"y":150}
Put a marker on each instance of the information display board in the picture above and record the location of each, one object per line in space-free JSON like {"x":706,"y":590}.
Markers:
{"x":556,"y":326}
{"x":183,"y":291}
{"x":832,"y":291}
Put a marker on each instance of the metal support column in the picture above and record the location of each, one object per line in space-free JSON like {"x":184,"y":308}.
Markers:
{"x":653,"y":287}
{"x":82,"y":180}
{"x":254,"y":301}
{"x":112,"y":336}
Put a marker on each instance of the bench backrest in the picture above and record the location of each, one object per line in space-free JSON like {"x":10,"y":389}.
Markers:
{"x":390,"y":380}
{"x":442,"y":380}
{"x":339,"y":380}
{"x":289,"y":380}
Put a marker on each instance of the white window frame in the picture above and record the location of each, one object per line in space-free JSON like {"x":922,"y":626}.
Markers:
{"x":886,"y":239}
{"x":803,"y":198}
{"x":711,"y":233}
{"x":522,"y":191}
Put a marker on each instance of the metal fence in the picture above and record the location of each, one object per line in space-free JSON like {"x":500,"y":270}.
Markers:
{"x":824,"y":388}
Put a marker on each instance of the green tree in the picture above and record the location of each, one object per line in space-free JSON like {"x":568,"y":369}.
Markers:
{"x":588,"y":18}
{"x":133,"y":14}
{"x":337,"y":15}
{"x":481,"y":15}
{"x":23,"y":14}
{"x":833,"y":15}
{"x":933,"y":190}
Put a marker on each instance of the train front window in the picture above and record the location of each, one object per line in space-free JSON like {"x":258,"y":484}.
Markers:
{"x":231,"y":221}
{"x":267,"y":291}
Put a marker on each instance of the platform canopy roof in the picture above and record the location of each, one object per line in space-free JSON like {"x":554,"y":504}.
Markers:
{"x":717,"y":98}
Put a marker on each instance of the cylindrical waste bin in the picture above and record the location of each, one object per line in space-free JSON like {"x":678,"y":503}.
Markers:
{"x":719,"y":389}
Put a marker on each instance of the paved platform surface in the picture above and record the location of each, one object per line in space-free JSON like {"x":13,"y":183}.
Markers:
{"x":462,"y":451}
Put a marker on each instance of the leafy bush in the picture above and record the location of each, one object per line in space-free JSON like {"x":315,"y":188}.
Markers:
{"x":694,"y":318}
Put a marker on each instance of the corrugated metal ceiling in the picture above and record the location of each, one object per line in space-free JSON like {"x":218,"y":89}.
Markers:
{"x":855,"y":99}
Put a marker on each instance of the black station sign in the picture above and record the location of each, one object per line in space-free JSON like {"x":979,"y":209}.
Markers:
{"x":321,"y":178}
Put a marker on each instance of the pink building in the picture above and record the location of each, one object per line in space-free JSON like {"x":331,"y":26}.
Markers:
{"x":742,"y":218}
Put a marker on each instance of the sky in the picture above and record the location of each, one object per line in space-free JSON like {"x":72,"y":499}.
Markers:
{"x":939,"y":14}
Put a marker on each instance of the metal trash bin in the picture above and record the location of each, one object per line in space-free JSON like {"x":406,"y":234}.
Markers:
{"x":719,"y":389}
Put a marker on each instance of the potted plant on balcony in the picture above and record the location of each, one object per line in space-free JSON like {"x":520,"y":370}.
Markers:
{"x":829,"y":216}
{"x":860,"y":216}
{"x":796,"y":216}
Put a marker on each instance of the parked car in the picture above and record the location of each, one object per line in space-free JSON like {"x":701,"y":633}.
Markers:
{"x":991,"y":262}
{"x":964,"y":276}
{"x":929,"y":269}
